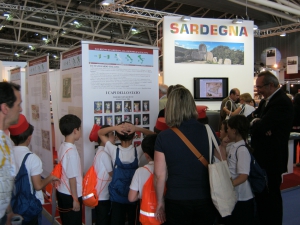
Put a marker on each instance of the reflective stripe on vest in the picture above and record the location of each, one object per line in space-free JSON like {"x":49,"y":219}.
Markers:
{"x":147,"y":213}
{"x":87,"y":196}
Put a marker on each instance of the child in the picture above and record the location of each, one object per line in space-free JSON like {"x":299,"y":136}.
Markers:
{"x":21,"y":134}
{"x":69,"y":191}
{"x":238,"y":158}
{"x":142,"y":174}
{"x":103,"y":167}
{"x":126,"y":159}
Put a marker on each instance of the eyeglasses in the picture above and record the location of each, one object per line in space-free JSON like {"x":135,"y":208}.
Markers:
{"x":260,"y":87}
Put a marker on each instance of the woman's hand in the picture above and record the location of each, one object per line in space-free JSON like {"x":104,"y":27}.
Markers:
{"x":160,"y":214}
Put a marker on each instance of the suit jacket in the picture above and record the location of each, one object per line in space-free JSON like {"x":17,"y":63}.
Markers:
{"x":271,"y":152}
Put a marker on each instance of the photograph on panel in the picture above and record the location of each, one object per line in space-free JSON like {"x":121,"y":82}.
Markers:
{"x":46,"y":139}
{"x":35,"y":112}
{"x":108,"y":120}
{"x":118,"y":119}
{"x":127,"y":106}
{"x":270,"y":56}
{"x":145,"y":119}
{"x":66,"y":89}
{"x":97,"y":107}
{"x":137,"y":106}
{"x":137,"y":119}
{"x":98,"y":120}
{"x":118,"y":106}
{"x":45,"y":92}
{"x":146,"y":106}
{"x":108,"y":107}
{"x":207,"y":52}
{"x":128,"y":118}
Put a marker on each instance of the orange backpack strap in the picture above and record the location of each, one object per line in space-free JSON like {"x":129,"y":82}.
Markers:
{"x":147,"y":169}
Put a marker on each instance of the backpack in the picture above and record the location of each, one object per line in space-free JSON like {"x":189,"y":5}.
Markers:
{"x":148,"y":202}
{"x":23,"y":202}
{"x":257,"y":177}
{"x":89,"y":183}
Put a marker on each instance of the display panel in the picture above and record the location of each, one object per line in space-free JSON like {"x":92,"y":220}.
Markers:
{"x":210,"y":88}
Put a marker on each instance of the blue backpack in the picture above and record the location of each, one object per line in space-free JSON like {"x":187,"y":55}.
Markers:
{"x":257,"y":177}
{"x":23,"y":202}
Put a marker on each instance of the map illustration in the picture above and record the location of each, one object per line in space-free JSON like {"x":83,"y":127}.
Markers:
{"x":214,"y":89}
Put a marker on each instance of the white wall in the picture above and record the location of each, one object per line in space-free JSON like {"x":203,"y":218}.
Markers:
{"x":240,"y":76}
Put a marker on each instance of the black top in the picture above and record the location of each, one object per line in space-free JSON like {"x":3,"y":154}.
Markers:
{"x":187,"y":176}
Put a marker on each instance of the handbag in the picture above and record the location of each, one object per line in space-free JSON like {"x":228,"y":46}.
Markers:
{"x":221,"y":189}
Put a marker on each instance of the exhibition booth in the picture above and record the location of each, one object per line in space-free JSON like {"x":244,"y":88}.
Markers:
{"x":106,"y":83}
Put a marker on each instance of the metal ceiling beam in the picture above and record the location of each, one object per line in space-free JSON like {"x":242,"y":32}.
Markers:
{"x":74,"y":15}
{"x":266,"y":10}
{"x":275,"y":31}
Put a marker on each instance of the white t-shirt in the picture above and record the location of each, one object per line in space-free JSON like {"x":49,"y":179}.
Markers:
{"x":248,"y":110}
{"x":102,"y":167}
{"x":71,"y":168}
{"x":126,"y":155}
{"x":140,"y":177}
{"x":7,"y":172}
{"x":33,"y":165}
{"x":240,"y":166}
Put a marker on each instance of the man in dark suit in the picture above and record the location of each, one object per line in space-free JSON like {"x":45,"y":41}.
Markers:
{"x":271,"y":124}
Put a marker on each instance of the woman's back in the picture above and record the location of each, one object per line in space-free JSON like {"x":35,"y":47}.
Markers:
{"x":187,"y":176}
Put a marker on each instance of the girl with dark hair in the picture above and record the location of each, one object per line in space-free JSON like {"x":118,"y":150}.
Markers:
{"x":238,"y":158}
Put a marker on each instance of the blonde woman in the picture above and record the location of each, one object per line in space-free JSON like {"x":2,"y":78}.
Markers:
{"x":187,"y":200}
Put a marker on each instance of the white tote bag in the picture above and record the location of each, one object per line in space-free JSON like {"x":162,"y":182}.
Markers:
{"x":221,"y":189}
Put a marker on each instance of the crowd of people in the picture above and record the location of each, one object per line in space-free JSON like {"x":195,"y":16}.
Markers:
{"x":181,"y":182}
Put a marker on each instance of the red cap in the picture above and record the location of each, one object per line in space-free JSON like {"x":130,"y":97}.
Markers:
{"x":20,"y":127}
{"x":94,"y":133}
{"x":161,"y":124}
{"x":201,"y":109}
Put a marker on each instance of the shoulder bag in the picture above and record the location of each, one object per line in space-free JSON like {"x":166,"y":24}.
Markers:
{"x":221,"y":189}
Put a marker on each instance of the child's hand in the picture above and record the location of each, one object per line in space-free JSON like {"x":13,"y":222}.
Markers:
{"x":121,"y":129}
{"x":130,"y":128}
{"x":76,"y":205}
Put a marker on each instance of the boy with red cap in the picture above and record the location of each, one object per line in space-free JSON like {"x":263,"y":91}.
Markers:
{"x":21,"y":134}
{"x":103,"y":168}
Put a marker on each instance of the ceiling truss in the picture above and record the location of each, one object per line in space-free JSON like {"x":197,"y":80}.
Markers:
{"x":125,"y":22}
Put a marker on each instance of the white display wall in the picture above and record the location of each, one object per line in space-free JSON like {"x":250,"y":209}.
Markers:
{"x":39,"y":111}
{"x":210,"y":33}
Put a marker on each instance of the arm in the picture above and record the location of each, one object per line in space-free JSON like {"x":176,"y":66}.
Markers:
{"x":133,"y":195}
{"x":73,"y":188}
{"x":39,"y":183}
{"x":132,"y":128}
{"x":239,"y":180}
{"x":235,"y":112}
{"x":160,"y":172}
{"x":102,"y":132}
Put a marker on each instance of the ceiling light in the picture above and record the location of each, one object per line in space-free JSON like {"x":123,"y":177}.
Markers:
{"x":107,"y":2}
{"x":237,"y":21}
{"x":75,"y":22}
{"x":6,"y":14}
{"x":133,"y":29}
{"x":255,"y":27}
{"x":185,"y":18}
{"x":282,"y":35}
